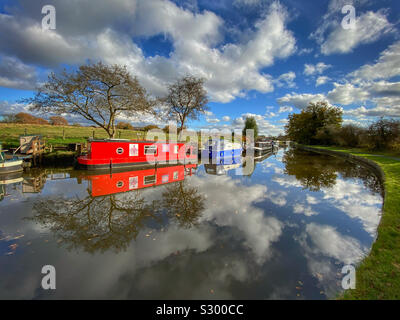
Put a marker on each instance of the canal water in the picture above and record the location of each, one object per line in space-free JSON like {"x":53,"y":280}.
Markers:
{"x":279,"y":227}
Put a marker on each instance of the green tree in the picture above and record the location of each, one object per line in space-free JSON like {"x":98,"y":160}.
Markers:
{"x":303,"y":127}
{"x":251,"y":123}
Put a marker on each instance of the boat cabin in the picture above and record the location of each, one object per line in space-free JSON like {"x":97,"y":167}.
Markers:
{"x":126,"y":153}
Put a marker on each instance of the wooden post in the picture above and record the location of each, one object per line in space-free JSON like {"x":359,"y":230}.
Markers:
{"x":63,"y":134}
{"x":93,"y":133}
{"x":25,"y":131}
{"x":119,"y":134}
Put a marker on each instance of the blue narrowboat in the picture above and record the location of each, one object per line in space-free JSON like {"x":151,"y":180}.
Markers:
{"x":225,"y":165}
{"x":220,"y":149}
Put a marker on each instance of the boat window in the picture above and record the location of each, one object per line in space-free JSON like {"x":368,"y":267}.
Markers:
{"x":188,"y":151}
{"x":150,"y":149}
{"x":120,"y":184}
{"x":149,"y":180}
{"x":164,"y":178}
{"x":133,"y":150}
{"x":165,"y":148}
{"x":176,"y":149}
{"x":120,"y":150}
{"x":176,"y":175}
{"x":133,"y":183}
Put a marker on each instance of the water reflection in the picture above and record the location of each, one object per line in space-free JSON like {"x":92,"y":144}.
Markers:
{"x":314,"y":171}
{"x":106,"y":220}
{"x":284,"y":230}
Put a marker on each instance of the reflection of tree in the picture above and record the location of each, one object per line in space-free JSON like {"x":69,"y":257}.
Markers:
{"x":370,"y":181}
{"x":183,"y":203}
{"x":316,"y":171}
{"x":113,"y":221}
{"x":310,"y":169}
{"x":95,"y":223}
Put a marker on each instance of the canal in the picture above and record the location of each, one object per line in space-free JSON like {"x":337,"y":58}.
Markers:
{"x":279,"y":227}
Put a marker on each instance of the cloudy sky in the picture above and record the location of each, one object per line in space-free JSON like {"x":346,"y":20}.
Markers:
{"x":264,"y":58}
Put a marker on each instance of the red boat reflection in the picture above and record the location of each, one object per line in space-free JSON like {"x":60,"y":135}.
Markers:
{"x":117,"y":182}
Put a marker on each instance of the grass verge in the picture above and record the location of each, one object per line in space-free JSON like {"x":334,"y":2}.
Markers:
{"x":378,"y":275}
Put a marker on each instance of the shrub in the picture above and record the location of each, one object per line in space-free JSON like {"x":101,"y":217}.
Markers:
{"x":383,"y":133}
{"x":124,"y":126}
{"x":58,"y":121}
{"x":27,"y":118}
{"x":150,"y":127}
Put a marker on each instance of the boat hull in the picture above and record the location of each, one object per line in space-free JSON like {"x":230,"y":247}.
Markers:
{"x":11,"y":166}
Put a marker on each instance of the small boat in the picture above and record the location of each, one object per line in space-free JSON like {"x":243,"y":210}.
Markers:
{"x":9,"y":163}
{"x":118,"y":182}
{"x":220,"y":149}
{"x":119,"y":153}
{"x":262,"y":147}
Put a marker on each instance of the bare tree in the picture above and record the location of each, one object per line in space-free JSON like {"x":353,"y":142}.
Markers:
{"x":96,"y":224}
{"x":186,"y":99}
{"x":184,"y":203}
{"x":97,"y":92}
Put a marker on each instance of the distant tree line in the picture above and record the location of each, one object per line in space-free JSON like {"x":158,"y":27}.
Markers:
{"x":320,"y":123}
{"x":26,"y":118}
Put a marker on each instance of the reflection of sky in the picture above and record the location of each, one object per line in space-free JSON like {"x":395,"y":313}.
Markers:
{"x":257,"y":238}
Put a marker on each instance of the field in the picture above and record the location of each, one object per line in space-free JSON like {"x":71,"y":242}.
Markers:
{"x":58,"y":135}
{"x":378,"y":276}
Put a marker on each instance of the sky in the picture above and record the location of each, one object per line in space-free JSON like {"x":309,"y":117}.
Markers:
{"x":261,"y":58}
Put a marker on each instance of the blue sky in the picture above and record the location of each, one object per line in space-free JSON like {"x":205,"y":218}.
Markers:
{"x":263,"y":58}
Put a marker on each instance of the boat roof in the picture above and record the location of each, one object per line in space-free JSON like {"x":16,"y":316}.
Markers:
{"x":133,"y":141}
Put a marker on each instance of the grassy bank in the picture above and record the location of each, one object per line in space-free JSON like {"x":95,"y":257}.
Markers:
{"x":378,"y":276}
{"x":58,"y":135}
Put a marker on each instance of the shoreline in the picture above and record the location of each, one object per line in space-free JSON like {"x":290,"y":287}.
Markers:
{"x":378,"y":274}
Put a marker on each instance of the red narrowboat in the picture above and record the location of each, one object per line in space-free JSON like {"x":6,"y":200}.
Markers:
{"x":105,"y":184}
{"x":116,"y":153}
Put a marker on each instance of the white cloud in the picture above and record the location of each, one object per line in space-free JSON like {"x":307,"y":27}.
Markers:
{"x":321,"y":80}
{"x":347,"y":94}
{"x":300,"y":101}
{"x":319,"y":68}
{"x":212,"y":120}
{"x":15,"y":74}
{"x":331,"y":243}
{"x":385,"y":95}
{"x":285,"y":109}
{"x":259,"y":231}
{"x":387,"y":66}
{"x":226,"y":118}
{"x":357,"y":202}
{"x":369,"y":27}
{"x":230,"y":70}
{"x":286,"y":79}
{"x":302,"y":209}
